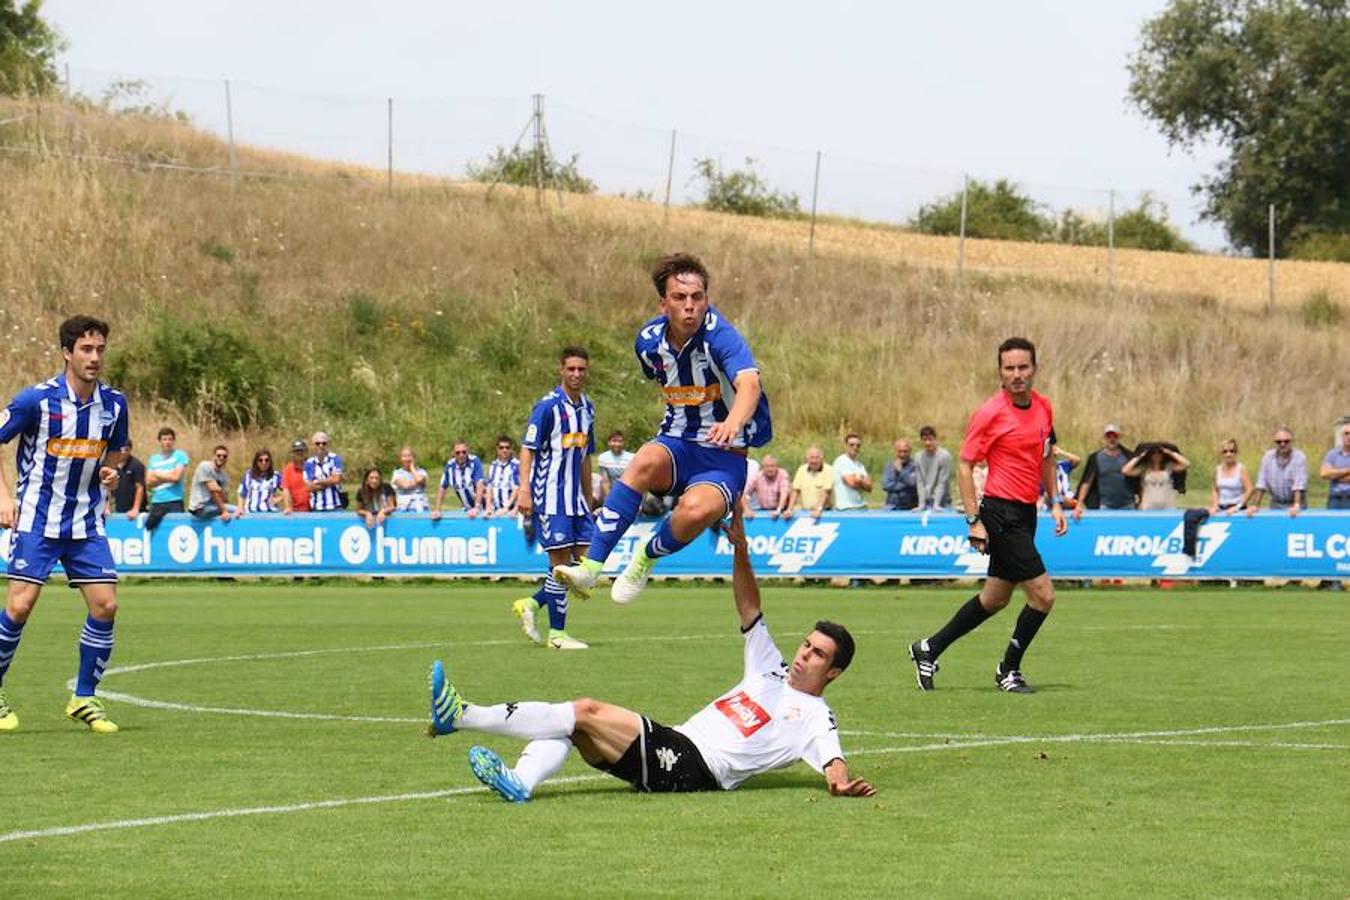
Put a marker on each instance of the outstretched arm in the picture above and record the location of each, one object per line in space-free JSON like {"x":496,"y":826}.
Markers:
{"x":743,"y":583}
{"x":840,"y":785}
{"x":747,"y":396}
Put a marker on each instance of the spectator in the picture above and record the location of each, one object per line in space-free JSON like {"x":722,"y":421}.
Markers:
{"x":769,"y":490}
{"x":1336,"y":469}
{"x":464,"y":473}
{"x":323,"y":477}
{"x":1232,"y":484}
{"x":410,"y":484}
{"x":260,"y":489}
{"x":1283,"y":474}
{"x":503,"y":479}
{"x":164,"y":477}
{"x":813,"y":484}
{"x":935,"y":472}
{"x":900,"y":479}
{"x":1065,"y":462}
{"x":293,"y":478}
{"x":210,"y":485}
{"x":1102,"y":485}
{"x":1156,"y":464}
{"x":129,"y":497}
{"x":612,"y":463}
{"x":374,"y":499}
{"x":850,"y":476}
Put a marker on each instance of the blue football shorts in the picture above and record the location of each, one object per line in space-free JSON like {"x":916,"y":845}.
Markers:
{"x":86,"y":560}
{"x":695,"y":464}
{"x":561,"y":531}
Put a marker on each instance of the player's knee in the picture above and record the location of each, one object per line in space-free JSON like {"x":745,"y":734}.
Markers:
{"x":19,"y":608}
{"x":994,"y":602}
{"x":586,"y":710}
{"x":106,"y":610}
{"x":703,"y":507}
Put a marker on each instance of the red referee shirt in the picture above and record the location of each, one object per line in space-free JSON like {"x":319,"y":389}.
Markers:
{"x":1014,"y":441}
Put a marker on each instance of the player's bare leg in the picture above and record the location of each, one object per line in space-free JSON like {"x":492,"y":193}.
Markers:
{"x":604,"y":732}
{"x":700,"y":506}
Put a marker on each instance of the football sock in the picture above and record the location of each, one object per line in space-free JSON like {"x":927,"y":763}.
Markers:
{"x":1028,"y":623}
{"x":619,"y":511}
{"x":530,"y":720}
{"x":96,"y":646}
{"x":553,"y":595}
{"x":969,"y":617}
{"x":664,"y":542}
{"x":10,"y":632}
{"x":541,"y":760}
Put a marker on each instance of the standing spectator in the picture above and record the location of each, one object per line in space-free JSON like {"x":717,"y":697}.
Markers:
{"x":210,"y":485}
{"x":129,"y":497}
{"x":260,"y":489}
{"x":1103,"y":486}
{"x":935,"y":472}
{"x":1284,"y":474}
{"x":1065,"y":462}
{"x":374,"y":499}
{"x":900,"y":479}
{"x":1336,"y":469}
{"x":323,"y":476}
{"x":1156,"y":465}
{"x":813,"y":484}
{"x":410,"y":484}
{"x":503,"y":479}
{"x":768,"y":491}
{"x":464,"y":473}
{"x":293,"y":478}
{"x":850,"y":476}
{"x":612,"y":463}
{"x":1232,"y":484}
{"x":164,"y":477}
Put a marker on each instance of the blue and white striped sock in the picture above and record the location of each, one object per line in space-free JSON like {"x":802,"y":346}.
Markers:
{"x":664,"y":542}
{"x":96,"y":646}
{"x":10,"y":632}
{"x":555,"y":598}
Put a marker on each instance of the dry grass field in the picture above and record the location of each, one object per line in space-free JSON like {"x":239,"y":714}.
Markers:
{"x":470,"y":298}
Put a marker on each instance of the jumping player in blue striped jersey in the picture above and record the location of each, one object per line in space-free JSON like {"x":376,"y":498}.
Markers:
{"x":463,"y":474}
{"x":503,"y":479}
{"x":556,"y":458}
{"x":715,"y":410}
{"x":67,"y":429}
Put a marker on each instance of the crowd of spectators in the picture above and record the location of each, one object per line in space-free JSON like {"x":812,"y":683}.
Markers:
{"x":1149,"y":476}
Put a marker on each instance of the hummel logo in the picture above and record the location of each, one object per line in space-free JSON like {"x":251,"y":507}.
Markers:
{"x":667,"y":758}
{"x":608,"y":521}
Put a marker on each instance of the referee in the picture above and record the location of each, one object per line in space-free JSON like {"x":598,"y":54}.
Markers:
{"x":1014,"y":432}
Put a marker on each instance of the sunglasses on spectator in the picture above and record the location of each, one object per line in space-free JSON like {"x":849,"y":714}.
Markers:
{"x":320,"y":443}
{"x":1281,"y":442}
{"x":264,"y":459}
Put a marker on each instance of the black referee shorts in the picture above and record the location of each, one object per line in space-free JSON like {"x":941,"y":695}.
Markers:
{"x":662,"y":761}
{"x":1012,"y":539}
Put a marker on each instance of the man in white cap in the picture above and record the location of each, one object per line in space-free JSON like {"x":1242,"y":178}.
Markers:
{"x":323,"y":476}
{"x":1103,"y":486}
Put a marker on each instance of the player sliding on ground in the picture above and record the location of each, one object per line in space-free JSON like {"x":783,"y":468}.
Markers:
{"x":773,"y":718}
{"x":714,"y":411}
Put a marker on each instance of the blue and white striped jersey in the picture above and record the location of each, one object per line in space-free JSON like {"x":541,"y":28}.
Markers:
{"x":561,"y":434}
{"x":503,"y":480}
{"x":62,"y":441}
{"x":463,"y":479}
{"x":255,"y":494}
{"x":324,"y":499}
{"x":699,"y":380}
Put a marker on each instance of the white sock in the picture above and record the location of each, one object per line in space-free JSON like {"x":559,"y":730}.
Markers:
{"x":528,"y":720}
{"x":541,"y":760}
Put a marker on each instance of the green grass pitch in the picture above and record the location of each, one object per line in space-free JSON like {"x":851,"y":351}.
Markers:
{"x":1185,"y":743}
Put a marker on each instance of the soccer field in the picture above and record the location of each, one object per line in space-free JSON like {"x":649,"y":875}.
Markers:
{"x":1183,"y":743}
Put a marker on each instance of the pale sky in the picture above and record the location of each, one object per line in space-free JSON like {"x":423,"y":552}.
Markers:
{"x":901,"y":98}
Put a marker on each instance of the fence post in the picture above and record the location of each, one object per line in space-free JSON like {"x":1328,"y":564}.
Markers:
{"x":1270,"y":269}
{"x":815,"y":194}
{"x":229,"y":131}
{"x":670,"y":176}
{"x":68,"y":90}
{"x":961,"y":244}
{"x":389,"y":170}
{"x":1111,"y":243}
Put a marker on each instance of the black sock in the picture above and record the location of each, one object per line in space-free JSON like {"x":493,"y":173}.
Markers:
{"x":969,"y":617}
{"x":1028,"y":623}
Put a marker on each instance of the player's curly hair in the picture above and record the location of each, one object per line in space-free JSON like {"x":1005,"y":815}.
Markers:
{"x":843,"y":643}
{"x":677,"y":264}
{"x":76,"y":327}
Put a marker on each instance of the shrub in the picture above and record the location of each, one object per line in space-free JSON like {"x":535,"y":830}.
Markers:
{"x":995,"y":211}
{"x":1320,"y":310}
{"x":1145,"y":227}
{"x":1313,"y":244}
{"x":524,"y":168}
{"x":743,"y":192}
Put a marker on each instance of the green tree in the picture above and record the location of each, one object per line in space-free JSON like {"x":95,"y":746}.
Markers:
{"x":743,"y":191}
{"x":527,"y":167}
{"x":28,"y":48}
{"x":1269,"y":80}
{"x":1145,"y":227}
{"x":997,"y":211}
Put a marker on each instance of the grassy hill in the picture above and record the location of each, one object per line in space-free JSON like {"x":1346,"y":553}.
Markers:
{"x":299,"y":297}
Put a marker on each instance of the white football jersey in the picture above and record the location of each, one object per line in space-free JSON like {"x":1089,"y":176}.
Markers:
{"x":762,"y":724}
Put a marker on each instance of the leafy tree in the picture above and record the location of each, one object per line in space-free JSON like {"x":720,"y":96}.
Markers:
{"x":743,"y":191}
{"x":1144,"y":228}
{"x":995,"y":211}
{"x":522,"y":167}
{"x":28,"y":48}
{"x":1269,"y":80}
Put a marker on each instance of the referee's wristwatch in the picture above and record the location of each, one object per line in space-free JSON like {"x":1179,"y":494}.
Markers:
{"x":972,"y":518}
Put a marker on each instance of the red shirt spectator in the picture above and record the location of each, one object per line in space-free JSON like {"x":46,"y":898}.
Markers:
{"x":1014,"y":441}
{"x":293,"y":478}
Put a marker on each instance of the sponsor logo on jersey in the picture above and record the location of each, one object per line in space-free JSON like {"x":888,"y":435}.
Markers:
{"x":692,"y":394}
{"x":76,"y":448}
{"x":573,"y":439}
{"x":745,"y":714}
